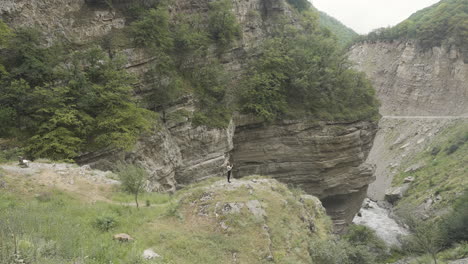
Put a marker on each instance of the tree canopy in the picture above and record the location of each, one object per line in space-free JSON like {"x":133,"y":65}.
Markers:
{"x":62,"y":105}
{"x":302,"y":72}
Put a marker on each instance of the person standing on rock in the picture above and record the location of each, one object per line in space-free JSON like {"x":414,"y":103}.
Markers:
{"x":229,"y":169}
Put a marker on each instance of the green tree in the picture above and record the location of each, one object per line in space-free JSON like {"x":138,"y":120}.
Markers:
{"x":5,"y":33}
{"x":82,"y":105}
{"x":426,"y":236}
{"x":152,"y":30}
{"x":165,"y":83}
{"x":455,"y":224}
{"x":300,"y":5}
{"x":302,"y":72}
{"x":209,"y":82}
{"x":222,"y":23}
{"x":133,"y":179}
{"x":27,"y":58}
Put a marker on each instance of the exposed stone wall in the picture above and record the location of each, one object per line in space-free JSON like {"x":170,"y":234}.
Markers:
{"x":421,"y":91}
{"x":412,"y":81}
{"x":324,"y":159}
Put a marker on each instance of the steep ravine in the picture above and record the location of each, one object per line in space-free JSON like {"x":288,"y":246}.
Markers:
{"x":422,"y":92}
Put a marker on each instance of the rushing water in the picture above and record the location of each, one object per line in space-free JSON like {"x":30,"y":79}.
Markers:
{"x":377,"y":218}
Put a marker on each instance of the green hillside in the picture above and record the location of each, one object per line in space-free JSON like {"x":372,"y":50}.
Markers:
{"x":343,"y":33}
{"x":255,"y":220}
{"x":444,"y":171}
{"x":444,"y":22}
{"x":435,"y":207}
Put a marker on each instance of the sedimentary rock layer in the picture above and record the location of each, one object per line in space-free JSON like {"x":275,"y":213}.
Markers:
{"x":412,"y":81}
{"x":324,"y":159}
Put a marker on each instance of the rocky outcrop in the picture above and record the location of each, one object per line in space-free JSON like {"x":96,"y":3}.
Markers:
{"x":258,"y":208}
{"x":412,"y":81}
{"x":324,"y":159}
{"x":177,"y":153}
{"x":70,"y":19}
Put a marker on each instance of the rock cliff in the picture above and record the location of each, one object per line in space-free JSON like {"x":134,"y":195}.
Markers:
{"x":421,"y":91}
{"x":326,"y":159}
{"x":412,"y":81}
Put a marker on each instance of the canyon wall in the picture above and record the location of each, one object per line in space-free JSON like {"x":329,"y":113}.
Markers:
{"x":421,"y":92}
{"x":411,"y":81}
{"x":326,"y":159}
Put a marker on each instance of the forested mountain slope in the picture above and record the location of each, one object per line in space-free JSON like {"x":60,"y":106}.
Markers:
{"x":343,"y":33}
{"x":445,"y":22}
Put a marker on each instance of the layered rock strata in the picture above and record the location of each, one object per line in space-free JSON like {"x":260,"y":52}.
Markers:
{"x":412,"y":81}
{"x":324,"y":159}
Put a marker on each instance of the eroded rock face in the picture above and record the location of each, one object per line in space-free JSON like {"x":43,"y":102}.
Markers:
{"x":73,"y":20}
{"x":413,"y":82}
{"x":324,"y":159}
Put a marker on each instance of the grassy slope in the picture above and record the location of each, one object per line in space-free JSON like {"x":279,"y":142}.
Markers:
{"x":443,"y":174}
{"x":53,"y":226}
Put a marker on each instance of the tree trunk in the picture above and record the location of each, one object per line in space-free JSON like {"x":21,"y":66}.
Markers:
{"x":136,"y":200}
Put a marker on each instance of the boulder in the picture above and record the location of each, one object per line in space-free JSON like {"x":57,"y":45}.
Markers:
{"x":396,"y":193}
{"x":150,"y":254}
{"x":123,"y":237}
{"x":408,"y":179}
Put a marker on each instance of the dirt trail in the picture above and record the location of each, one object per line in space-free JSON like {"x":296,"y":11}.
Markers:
{"x":427,"y":117}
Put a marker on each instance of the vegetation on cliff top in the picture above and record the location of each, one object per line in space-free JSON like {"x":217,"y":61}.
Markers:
{"x":344,"y":34}
{"x":302,"y":73}
{"x":444,"y":22}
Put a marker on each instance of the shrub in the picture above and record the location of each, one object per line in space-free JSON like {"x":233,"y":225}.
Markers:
{"x":435,"y":151}
{"x":339,"y":252}
{"x":133,"y":179}
{"x":452,"y":148}
{"x":455,"y":224}
{"x":105,"y":223}
{"x":300,"y":4}
{"x":427,"y":236}
{"x":223,"y":25}
{"x":44,"y":197}
{"x":367,"y":244}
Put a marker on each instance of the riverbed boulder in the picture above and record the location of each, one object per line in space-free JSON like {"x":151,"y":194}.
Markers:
{"x":394,"y":194}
